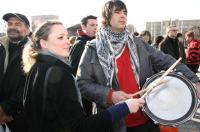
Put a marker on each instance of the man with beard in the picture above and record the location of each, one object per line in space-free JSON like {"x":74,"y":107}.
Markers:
{"x":12,"y":78}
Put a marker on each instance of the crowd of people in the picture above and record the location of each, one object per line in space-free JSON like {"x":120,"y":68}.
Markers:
{"x":51,"y":82}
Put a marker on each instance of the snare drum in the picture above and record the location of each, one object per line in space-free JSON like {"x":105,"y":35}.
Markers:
{"x":173,"y":102}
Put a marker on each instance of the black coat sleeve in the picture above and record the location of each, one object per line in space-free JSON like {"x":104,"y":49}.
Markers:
{"x":69,"y":108}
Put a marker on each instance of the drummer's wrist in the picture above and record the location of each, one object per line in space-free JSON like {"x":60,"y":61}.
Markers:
{"x":109,"y":97}
{"x":198,"y":85}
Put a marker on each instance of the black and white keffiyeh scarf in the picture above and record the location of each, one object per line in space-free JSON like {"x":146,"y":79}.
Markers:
{"x":109,"y":45}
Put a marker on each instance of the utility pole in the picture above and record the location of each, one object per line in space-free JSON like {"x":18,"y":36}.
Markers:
{"x":154,"y":33}
{"x":170,"y":21}
{"x":161,"y":28}
{"x":151,"y":28}
{"x":181,"y":26}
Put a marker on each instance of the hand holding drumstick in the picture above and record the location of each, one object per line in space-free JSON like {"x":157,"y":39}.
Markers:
{"x":159,"y":81}
{"x":144,"y":90}
{"x":135,"y":104}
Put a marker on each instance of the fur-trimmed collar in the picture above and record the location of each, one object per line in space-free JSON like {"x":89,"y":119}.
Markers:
{"x":4,"y":41}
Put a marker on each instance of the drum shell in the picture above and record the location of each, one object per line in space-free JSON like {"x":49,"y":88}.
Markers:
{"x":185,"y":117}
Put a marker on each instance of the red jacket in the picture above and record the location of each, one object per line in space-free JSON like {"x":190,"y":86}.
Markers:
{"x":193,"y":52}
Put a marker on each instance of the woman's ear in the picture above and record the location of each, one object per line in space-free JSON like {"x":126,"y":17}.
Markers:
{"x":43,"y":43}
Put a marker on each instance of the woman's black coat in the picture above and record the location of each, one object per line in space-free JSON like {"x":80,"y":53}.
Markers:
{"x":52,"y":101}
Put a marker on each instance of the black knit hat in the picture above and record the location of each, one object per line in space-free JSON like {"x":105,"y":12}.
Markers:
{"x":19,"y":16}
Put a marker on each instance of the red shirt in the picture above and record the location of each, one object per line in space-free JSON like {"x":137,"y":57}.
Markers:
{"x":127,"y":83}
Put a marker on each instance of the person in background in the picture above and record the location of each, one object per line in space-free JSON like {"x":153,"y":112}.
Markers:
{"x":51,"y":100}
{"x":12,"y":77}
{"x":181,"y":41}
{"x":72,"y":40}
{"x":101,"y":75}
{"x":180,"y":38}
{"x":136,"y":34}
{"x":146,"y":35}
{"x":157,"y":41}
{"x":171,"y":45}
{"x":193,"y":51}
{"x":89,"y":27}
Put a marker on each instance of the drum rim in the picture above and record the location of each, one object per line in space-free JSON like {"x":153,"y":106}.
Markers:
{"x":187,"y":116}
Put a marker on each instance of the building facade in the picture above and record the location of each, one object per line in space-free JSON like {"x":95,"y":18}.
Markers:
{"x":38,"y":20}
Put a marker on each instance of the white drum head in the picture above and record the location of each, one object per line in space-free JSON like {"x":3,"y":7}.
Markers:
{"x":172,"y":102}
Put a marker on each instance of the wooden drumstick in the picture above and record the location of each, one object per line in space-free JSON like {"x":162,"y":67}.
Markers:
{"x":144,"y":90}
{"x":161,"y":78}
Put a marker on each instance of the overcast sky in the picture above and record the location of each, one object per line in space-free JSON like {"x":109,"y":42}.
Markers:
{"x":71,"y":11}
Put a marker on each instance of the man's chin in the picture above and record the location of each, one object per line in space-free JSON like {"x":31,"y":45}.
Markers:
{"x":14,"y":38}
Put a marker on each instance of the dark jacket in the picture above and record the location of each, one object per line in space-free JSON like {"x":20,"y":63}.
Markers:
{"x":93,"y":83}
{"x":52,"y":101}
{"x":74,"y":58}
{"x":77,"y":50}
{"x":12,"y":79}
{"x":173,"y":47}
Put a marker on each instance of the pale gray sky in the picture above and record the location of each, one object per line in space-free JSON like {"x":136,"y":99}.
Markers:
{"x":71,"y":11}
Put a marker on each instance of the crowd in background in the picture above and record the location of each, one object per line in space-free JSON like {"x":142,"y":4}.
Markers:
{"x":185,"y":45}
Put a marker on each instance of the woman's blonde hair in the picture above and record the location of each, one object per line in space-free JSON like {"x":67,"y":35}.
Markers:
{"x":31,"y":49}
